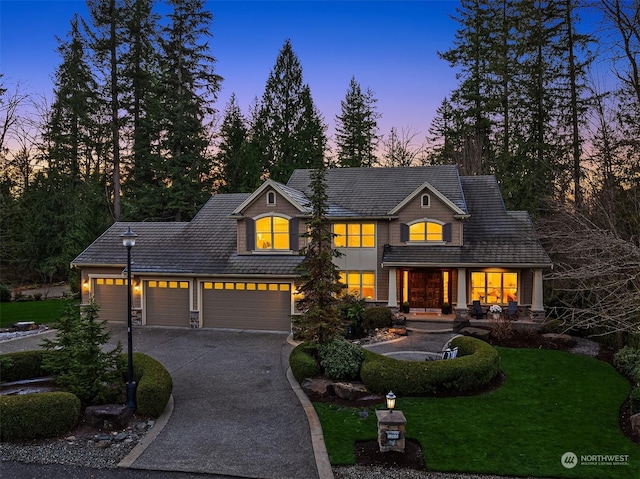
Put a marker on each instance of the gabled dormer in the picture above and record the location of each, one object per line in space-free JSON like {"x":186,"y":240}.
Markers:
{"x":268,"y":220}
{"x":428,"y":217}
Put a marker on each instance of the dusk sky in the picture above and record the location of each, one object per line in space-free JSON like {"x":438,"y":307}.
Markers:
{"x":389,"y":46}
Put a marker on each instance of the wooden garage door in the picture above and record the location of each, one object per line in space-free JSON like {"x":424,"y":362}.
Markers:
{"x":243,"y":305}
{"x":111,"y":295}
{"x":167,"y":303}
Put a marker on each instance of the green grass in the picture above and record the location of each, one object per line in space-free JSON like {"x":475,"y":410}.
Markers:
{"x":42,"y":312}
{"x":551,"y":402}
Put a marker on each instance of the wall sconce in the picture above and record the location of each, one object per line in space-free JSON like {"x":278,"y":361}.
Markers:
{"x":85,"y":285}
{"x":136,"y":286}
{"x":391,"y":401}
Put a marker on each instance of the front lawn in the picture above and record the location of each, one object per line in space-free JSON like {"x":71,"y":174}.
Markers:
{"x":42,"y":312}
{"x":551,"y":402}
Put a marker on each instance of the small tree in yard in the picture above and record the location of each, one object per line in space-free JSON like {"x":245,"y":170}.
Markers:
{"x":320,"y":278}
{"x":79,"y":365}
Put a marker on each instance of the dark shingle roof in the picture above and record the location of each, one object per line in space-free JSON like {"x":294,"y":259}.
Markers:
{"x":492,"y":235}
{"x":206,"y":245}
{"x":375,"y":192}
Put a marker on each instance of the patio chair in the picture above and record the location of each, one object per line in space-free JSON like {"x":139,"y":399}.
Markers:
{"x":512,"y":310}
{"x":476,"y":310}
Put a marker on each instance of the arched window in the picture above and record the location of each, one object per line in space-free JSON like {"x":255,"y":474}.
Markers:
{"x":425,"y":201}
{"x":272,"y":233}
{"x":271,"y":198}
{"x":425,"y":231}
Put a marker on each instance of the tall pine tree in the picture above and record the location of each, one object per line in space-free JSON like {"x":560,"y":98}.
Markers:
{"x":357,"y":128}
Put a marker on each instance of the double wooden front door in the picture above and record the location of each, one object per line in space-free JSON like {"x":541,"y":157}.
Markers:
{"x":425,"y":289}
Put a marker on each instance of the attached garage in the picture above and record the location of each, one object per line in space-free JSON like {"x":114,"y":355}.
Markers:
{"x":167,"y":303}
{"x":111,"y":295}
{"x":246,"y":305}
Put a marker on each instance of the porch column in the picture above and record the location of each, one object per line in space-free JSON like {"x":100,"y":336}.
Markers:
{"x":393,"y":290}
{"x":461,"y":305}
{"x":537,"y":297}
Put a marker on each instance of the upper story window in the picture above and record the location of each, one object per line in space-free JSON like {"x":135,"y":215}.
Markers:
{"x":354,"y":235}
{"x":425,"y":201}
{"x":271,"y":198}
{"x":272,"y":233}
{"x":426,"y":231}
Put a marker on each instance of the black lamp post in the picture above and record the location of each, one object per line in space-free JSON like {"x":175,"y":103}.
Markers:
{"x":129,"y":240}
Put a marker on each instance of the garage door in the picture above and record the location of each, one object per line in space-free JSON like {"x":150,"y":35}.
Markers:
{"x":111,"y":295}
{"x":167,"y":303}
{"x":242,"y":305}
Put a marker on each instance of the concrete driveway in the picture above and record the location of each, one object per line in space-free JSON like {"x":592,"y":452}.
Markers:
{"x":235,"y":412}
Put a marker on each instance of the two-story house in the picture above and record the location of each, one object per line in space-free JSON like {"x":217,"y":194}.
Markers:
{"x":423,"y":235}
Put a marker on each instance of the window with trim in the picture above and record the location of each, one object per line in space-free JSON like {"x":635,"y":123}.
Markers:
{"x":359,"y":283}
{"x":425,"y":231}
{"x":272,"y":233}
{"x":425,"y":201}
{"x":354,"y":235}
{"x":494,"y":287}
{"x":271,"y":198}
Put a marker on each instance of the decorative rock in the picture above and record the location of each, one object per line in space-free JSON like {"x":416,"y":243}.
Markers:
{"x":120,"y":437}
{"x":317,"y":388}
{"x":635,"y":423}
{"x":350,"y":391}
{"x":108,"y":416}
{"x":25,"y":325}
{"x":563,"y":339}
{"x":401,"y":330}
{"x":475,"y":332}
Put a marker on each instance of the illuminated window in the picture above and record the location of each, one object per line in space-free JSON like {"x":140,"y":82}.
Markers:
{"x":359,"y":283}
{"x":491,"y":287}
{"x":354,"y":235}
{"x":272,"y":232}
{"x":425,"y":231}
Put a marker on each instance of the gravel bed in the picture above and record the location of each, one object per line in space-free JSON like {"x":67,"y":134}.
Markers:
{"x":102,"y":450}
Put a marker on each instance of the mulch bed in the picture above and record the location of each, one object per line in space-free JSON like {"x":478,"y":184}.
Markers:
{"x":368,"y":454}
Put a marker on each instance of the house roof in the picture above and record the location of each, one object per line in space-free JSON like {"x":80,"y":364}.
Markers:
{"x":376,"y":192}
{"x":206,"y":245}
{"x":492,"y":235}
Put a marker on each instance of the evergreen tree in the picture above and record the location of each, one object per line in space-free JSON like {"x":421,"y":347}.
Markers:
{"x":287,"y":132}
{"x":357,"y":128}
{"x":320,"y":277}
{"x":189,"y":87}
{"x":78,"y":363}
{"x":237,"y":171}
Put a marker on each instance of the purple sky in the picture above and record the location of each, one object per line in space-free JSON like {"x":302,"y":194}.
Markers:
{"x":389,"y":46}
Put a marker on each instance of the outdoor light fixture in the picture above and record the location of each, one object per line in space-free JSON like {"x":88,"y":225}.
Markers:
{"x":85,"y":285}
{"x":391,"y":401}
{"x":129,"y":240}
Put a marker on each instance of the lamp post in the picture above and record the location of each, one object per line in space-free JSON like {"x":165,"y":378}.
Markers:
{"x":129,"y":240}
{"x":391,"y":401}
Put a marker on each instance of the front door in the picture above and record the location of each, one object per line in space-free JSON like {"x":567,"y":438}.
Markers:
{"x":425,"y":289}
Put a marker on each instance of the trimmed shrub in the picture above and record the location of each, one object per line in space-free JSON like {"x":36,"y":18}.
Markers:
{"x":627,"y":361}
{"x":475,"y":367}
{"x":302,"y":361}
{"x":38,"y":416}
{"x":377,"y":317}
{"x":23,"y":365}
{"x":154,"y":384}
{"x":341,"y":360}
{"x":5,"y":293}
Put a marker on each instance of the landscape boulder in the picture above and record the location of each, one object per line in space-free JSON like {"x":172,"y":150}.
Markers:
{"x":635,"y":424}
{"x":351,"y":391}
{"x":475,"y":332}
{"x":317,"y":388}
{"x":108,"y":416}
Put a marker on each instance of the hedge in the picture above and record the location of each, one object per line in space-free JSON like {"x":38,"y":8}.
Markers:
{"x":302,"y":361}
{"x":154,"y":385}
{"x":474,"y":368}
{"x":38,"y":416}
{"x":22,"y":365}
{"x":377,"y":317}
